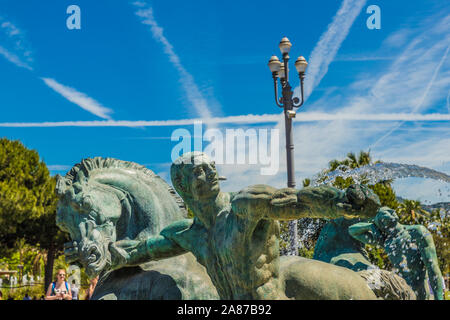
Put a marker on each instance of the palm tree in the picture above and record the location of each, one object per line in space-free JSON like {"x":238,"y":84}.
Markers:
{"x":306,"y":182}
{"x":411,"y":212}
{"x":333,"y":165}
{"x":364,"y":158}
{"x":38,"y":260}
{"x":352,"y":161}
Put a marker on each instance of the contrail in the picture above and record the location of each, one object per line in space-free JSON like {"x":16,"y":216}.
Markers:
{"x":329,"y":43}
{"x":145,"y":12}
{"x":244,"y":119}
{"x":79,"y":98}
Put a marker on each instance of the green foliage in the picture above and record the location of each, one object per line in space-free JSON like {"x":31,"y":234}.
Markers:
{"x":378,"y":257}
{"x":306,"y":253}
{"x":306,"y":182}
{"x":26,"y":189}
{"x":27,"y":198}
{"x":342,"y":183}
{"x":386,"y":194}
{"x":17,"y":294}
{"x":28,"y":205}
{"x":411,"y":212}
{"x":60,"y":263}
{"x":31,"y":257}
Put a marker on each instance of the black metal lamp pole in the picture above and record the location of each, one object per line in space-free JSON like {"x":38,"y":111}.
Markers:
{"x":288,"y":103}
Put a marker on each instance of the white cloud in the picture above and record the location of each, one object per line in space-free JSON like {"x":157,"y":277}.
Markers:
{"x":10,"y":29}
{"x":79,"y":98}
{"x":397,"y":39}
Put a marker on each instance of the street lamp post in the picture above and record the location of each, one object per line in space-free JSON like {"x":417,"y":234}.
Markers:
{"x":288,"y":103}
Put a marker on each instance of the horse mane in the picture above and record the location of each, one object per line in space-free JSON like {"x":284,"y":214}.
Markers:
{"x":81,"y":171}
{"x":387,"y":285}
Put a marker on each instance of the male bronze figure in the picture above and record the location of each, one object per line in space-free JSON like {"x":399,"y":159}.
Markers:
{"x":235,"y":235}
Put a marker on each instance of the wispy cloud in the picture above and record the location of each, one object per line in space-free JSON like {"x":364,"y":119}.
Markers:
{"x":79,"y":98}
{"x":15,"y":46}
{"x":13,"y":58}
{"x":329,"y":43}
{"x":195,"y":97}
{"x":424,"y":96}
{"x":245,"y":119}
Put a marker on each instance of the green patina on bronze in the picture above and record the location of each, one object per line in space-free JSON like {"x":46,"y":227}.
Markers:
{"x":102,"y":201}
{"x":235,"y":236}
{"x":410,"y":249}
{"x":336,"y":246}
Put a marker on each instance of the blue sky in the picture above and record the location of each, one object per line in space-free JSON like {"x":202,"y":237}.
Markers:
{"x":173,"y":60}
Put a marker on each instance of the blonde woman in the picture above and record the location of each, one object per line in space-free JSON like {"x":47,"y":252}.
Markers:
{"x":59,"y":289}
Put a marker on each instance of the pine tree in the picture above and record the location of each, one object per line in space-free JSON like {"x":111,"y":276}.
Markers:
{"x":28,"y":202}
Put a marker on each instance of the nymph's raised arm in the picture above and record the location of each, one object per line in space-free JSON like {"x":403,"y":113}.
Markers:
{"x":366,"y":233}
{"x":315,"y":202}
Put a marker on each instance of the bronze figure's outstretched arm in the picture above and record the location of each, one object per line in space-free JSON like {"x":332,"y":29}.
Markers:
{"x":135,"y":252}
{"x":314,"y":202}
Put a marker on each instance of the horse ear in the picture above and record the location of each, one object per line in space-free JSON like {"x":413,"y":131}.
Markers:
{"x":60,"y":188}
